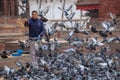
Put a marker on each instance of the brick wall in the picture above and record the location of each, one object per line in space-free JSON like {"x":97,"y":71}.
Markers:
{"x":2,"y":46}
{"x":1,"y":20}
{"x":8,"y":22}
{"x":107,"y":6}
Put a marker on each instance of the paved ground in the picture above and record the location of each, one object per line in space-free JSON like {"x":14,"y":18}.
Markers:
{"x":26,"y":58}
{"x":10,"y":61}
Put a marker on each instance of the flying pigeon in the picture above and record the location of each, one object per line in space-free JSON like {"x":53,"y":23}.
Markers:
{"x":44,"y":11}
{"x":52,"y":29}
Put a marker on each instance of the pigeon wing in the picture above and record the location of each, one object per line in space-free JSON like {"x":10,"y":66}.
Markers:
{"x":69,"y":8}
{"x":111,"y":15}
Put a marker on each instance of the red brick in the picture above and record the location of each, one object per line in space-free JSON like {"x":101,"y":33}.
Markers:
{"x":11,"y":30}
{"x":11,"y":20}
{"x":108,"y":6}
{"x":2,"y":46}
{"x":1,"y":20}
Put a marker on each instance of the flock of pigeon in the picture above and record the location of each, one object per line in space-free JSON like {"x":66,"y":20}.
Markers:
{"x":71,"y":63}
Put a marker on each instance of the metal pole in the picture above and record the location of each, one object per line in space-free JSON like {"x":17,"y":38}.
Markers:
{"x":80,"y":17}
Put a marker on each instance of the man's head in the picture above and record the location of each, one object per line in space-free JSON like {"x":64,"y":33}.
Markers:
{"x":34,"y":14}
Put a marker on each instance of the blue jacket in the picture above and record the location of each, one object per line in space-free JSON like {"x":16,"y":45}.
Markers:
{"x":36,"y":27}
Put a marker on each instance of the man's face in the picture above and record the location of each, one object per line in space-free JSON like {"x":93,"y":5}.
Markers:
{"x":34,"y":15}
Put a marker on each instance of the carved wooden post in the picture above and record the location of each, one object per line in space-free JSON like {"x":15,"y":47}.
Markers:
{"x":27,"y":7}
{"x":5,"y":7}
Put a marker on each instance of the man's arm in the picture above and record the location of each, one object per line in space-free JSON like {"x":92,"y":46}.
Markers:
{"x":26,"y":25}
{"x":26,"y":22}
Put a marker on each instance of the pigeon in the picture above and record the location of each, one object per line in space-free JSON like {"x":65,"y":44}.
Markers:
{"x":9,"y":70}
{"x":103,"y":65}
{"x":53,"y":29}
{"x":70,"y":50}
{"x":109,"y":26}
{"x":18,"y":63}
{"x":23,"y":1}
{"x":71,"y":33}
{"x":52,"y":46}
{"x":67,"y":9}
{"x":118,"y":50}
{"x":4,"y":55}
{"x":22,"y":44}
{"x":81,"y":29}
{"x":98,"y":59}
{"x":69,"y":16}
{"x":44,"y":11}
{"x":93,"y":43}
{"x":71,"y":64}
{"x":113,"y":18}
{"x":109,"y":40}
{"x":103,"y":34}
{"x":84,"y":32}
{"x":78,"y":44}
{"x":108,"y":75}
{"x":97,"y":42}
{"x":118,"y":38}
{"x":93,"y":29}
{"x":62,"y":25}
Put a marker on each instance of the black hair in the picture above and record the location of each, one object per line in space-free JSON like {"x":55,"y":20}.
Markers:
{"x":34,"y":12}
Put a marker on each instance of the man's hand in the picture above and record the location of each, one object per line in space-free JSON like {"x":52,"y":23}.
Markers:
{"x":25,"y":20}
{"x":39,"y":37}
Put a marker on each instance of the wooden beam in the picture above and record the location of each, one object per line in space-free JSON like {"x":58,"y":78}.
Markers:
{"x":16,"y":8}
{"x":5,"y":7}
{"x":27,"y":7}
{"x":24,"y":10}
{"x":12,"y":11}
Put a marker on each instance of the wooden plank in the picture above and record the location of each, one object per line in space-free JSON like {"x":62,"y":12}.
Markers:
{"x":5,"y":8}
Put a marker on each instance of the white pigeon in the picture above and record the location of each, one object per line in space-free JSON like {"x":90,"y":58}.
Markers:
{"x":8,"y":70}
{"x":98,"y":59}
{"x":82,"y":67}
{"x":37,"y":46}
{"x":70,"y":50}
{"x":71,"y":33}
{"x":43,"y":62}
{"x":52,"y":46}
{"x":44,"y":11}
{"x":95,"y":42}
{"x":103,"y":65}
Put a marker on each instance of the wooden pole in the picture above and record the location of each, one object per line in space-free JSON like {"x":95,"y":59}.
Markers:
{"x":27,"y":7}
{"x":40,"y":4}
{"x":12,"y":7}
{"x":16,"y":8}
{"x":5,"y":7}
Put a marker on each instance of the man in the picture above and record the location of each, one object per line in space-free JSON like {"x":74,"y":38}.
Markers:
{"x":36,"y":30}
